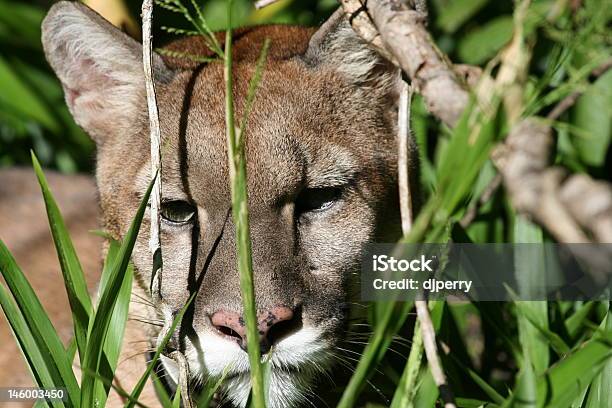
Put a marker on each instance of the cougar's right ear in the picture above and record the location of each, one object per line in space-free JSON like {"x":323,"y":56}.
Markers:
{"x":336,"y":46}
{"x":99,"y":66}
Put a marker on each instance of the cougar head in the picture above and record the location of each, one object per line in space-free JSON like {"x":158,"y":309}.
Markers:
{"x":321,"y":153}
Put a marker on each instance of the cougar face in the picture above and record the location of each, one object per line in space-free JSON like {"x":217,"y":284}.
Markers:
{"x":320,"y":154}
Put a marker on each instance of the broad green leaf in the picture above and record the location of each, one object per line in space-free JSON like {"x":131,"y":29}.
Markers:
{"x":74,"y":279}
{"x":593,"y":113}
{"x":457,"y":12}
{"x":37,"y":320}
{"x":485,"y":41}
{"x":562,"y":382}
{"x":600,"y":393}
{"x":427,"y":391}
{"x":20,"y":98}
{"x":106,"y":305}
{"x":530,"y":315}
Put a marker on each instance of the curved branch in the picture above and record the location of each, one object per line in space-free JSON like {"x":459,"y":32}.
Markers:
{"x":399,"y":33}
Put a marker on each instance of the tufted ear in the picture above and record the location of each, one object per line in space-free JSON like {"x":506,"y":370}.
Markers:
{"x":337,"y":46}
{"x":99,"y":66}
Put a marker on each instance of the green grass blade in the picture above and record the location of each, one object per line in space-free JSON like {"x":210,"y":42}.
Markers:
{"x":106,"y":306}
{"x":253,"y":85}
{"x":42,"y":331}
{"x":240,"y":212}
{"x":118,"y":389}
{"x":116,"y":330}
{"x":176,"y":401}
{"x":600,"y":394}
{"x":560,"y":385}
{"x":406,"y":389}
{"x":44,"y":375}
{"x":112,"y":347}
{"x":575,"y":321}
{"x":533,"y":319}
{"x":74,"y":279}
{"x":387,"y":325}
{"x":143,"y":379}
{"x":160,"y":390}
{"x":206,"y":396}
{"x":525,"y":395}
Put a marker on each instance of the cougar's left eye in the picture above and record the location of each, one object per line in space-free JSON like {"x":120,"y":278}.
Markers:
{"x":177,"y":212}
{"x":317,"y":199}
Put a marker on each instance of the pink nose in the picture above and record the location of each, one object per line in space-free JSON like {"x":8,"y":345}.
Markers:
{"x":272,"y":325}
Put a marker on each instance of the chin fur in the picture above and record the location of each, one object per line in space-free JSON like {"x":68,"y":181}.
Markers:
{"x":295,"y":362}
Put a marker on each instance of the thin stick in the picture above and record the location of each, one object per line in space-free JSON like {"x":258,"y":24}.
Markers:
{"x":426,"y":327}
{"x":571,"y":99}
{"x":155,"y":134}
{"x":405,"y":197}
{"x":487,"y":193}
{"x":431,"y":351}
{"x":181,"y":362}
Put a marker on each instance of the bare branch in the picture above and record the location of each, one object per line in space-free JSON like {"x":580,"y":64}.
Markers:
{"x":400,"y":34}
{"x":571,"y":208}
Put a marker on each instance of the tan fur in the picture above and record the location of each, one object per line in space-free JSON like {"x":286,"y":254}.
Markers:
{"x":323,"y":122}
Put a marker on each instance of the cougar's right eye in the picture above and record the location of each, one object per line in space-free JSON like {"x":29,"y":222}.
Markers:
{"x":317,"y":199}
{"x":177,"y":212}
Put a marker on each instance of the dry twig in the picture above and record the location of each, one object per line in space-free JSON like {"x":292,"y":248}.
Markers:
{"x":575,"y":209}
{"x":427,"y":331}
{"x":399,"y":33}
{"x":405,"y":196}
{"x":571,"y":99}
{"x":156,"y":167}
{"x":487,"y":193}
{"x":155,"y":133}
{"x":431,"y":350}
{"x":181,"y":362}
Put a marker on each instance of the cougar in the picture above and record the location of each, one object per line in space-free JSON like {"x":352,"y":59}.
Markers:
{"x":321,"y":171}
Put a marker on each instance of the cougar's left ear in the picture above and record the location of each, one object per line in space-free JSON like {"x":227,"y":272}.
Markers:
{"x":337,"y":46}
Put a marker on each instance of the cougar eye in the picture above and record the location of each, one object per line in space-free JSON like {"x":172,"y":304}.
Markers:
{"x":317,"y":199}
{"x":177,"y":212}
